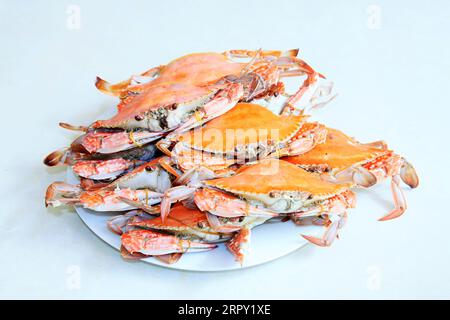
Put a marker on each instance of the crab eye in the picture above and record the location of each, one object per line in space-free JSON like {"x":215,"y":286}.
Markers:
{"x":148,"y":169}
{"x":139,"y":117}
{"x":200,"y":225}
{"x":241,"y":219}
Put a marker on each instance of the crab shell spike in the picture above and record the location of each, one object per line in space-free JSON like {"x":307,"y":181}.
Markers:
{"x":290,"y":53}
{"x":239,"y":245}
{"x":247,"y":124}
{"x":72,"y":127}
{"x":409,"y":175}
{"x":153,"y":243}
{"x":272,"y":176}
{"x":120,"y":88}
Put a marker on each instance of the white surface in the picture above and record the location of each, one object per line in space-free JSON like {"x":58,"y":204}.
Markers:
{"x":393,"y":84}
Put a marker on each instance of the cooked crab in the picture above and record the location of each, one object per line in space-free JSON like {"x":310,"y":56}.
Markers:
{"x":248,"y":132}
{"x":189,"y":92}
{"x":343,"y":159}
{"x":205,"y":68}
{"x":269,"y":188}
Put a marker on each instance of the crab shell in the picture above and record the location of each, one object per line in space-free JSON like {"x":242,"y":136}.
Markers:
{"x":247,"y":132}
{"x":244,"y":127}
{"x":278,"y":185}
{"x":193,"y":69}
{"x":167,"y":101}
{"x":187,"y":223}
{"x":337,"y":153}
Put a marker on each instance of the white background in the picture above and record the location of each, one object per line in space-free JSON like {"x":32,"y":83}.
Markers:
{"x":392,"y":73}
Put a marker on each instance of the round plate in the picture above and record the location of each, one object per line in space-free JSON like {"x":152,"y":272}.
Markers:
{"x":269,"y":241}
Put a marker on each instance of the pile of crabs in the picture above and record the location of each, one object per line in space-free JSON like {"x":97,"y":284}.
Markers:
{"x":204,"y":149}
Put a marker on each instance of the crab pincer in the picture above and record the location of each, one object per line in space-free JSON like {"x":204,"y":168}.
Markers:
{"x":151,"y":243}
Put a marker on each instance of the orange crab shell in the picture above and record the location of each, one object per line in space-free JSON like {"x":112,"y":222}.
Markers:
{"x":271,"y":176}
{"x":156,"y":97}
{"x":195,"y":68}
{"x":245,"y":124}
{"x":338,"y":152}
{"x":180,"y":218}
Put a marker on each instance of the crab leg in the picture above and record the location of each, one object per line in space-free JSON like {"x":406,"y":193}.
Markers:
{"x":60,"y":193}
{"x":330,"y":233}
{"x":224,"y":205}
{"x":224,"y":101}
{"x":174,"y":195}
{"x":215,"y":223}
{"x":399,"y":200}
{"x":306,"y":139}
{"x":194,"y":176}
{"x":239,"y":245}
{"x":154,"y":244}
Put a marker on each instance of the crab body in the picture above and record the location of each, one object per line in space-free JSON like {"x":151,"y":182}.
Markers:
{"x":248,"y":132}
{"x":343,"y":159}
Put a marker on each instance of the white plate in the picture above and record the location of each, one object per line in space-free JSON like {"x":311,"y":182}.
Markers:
{"x":269,"y":241}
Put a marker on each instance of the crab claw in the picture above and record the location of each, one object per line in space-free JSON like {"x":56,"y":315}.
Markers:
{"x":409,"y":175}
{"x":151,"y":243}
{"x":363,"y":177}
{"x":121,"y":223}
{"x":102,"y":169}
{"x":239,"y":245}
{"x":173,"y":195}
{"x":60,"y":193}
{"x":62,"y":156}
